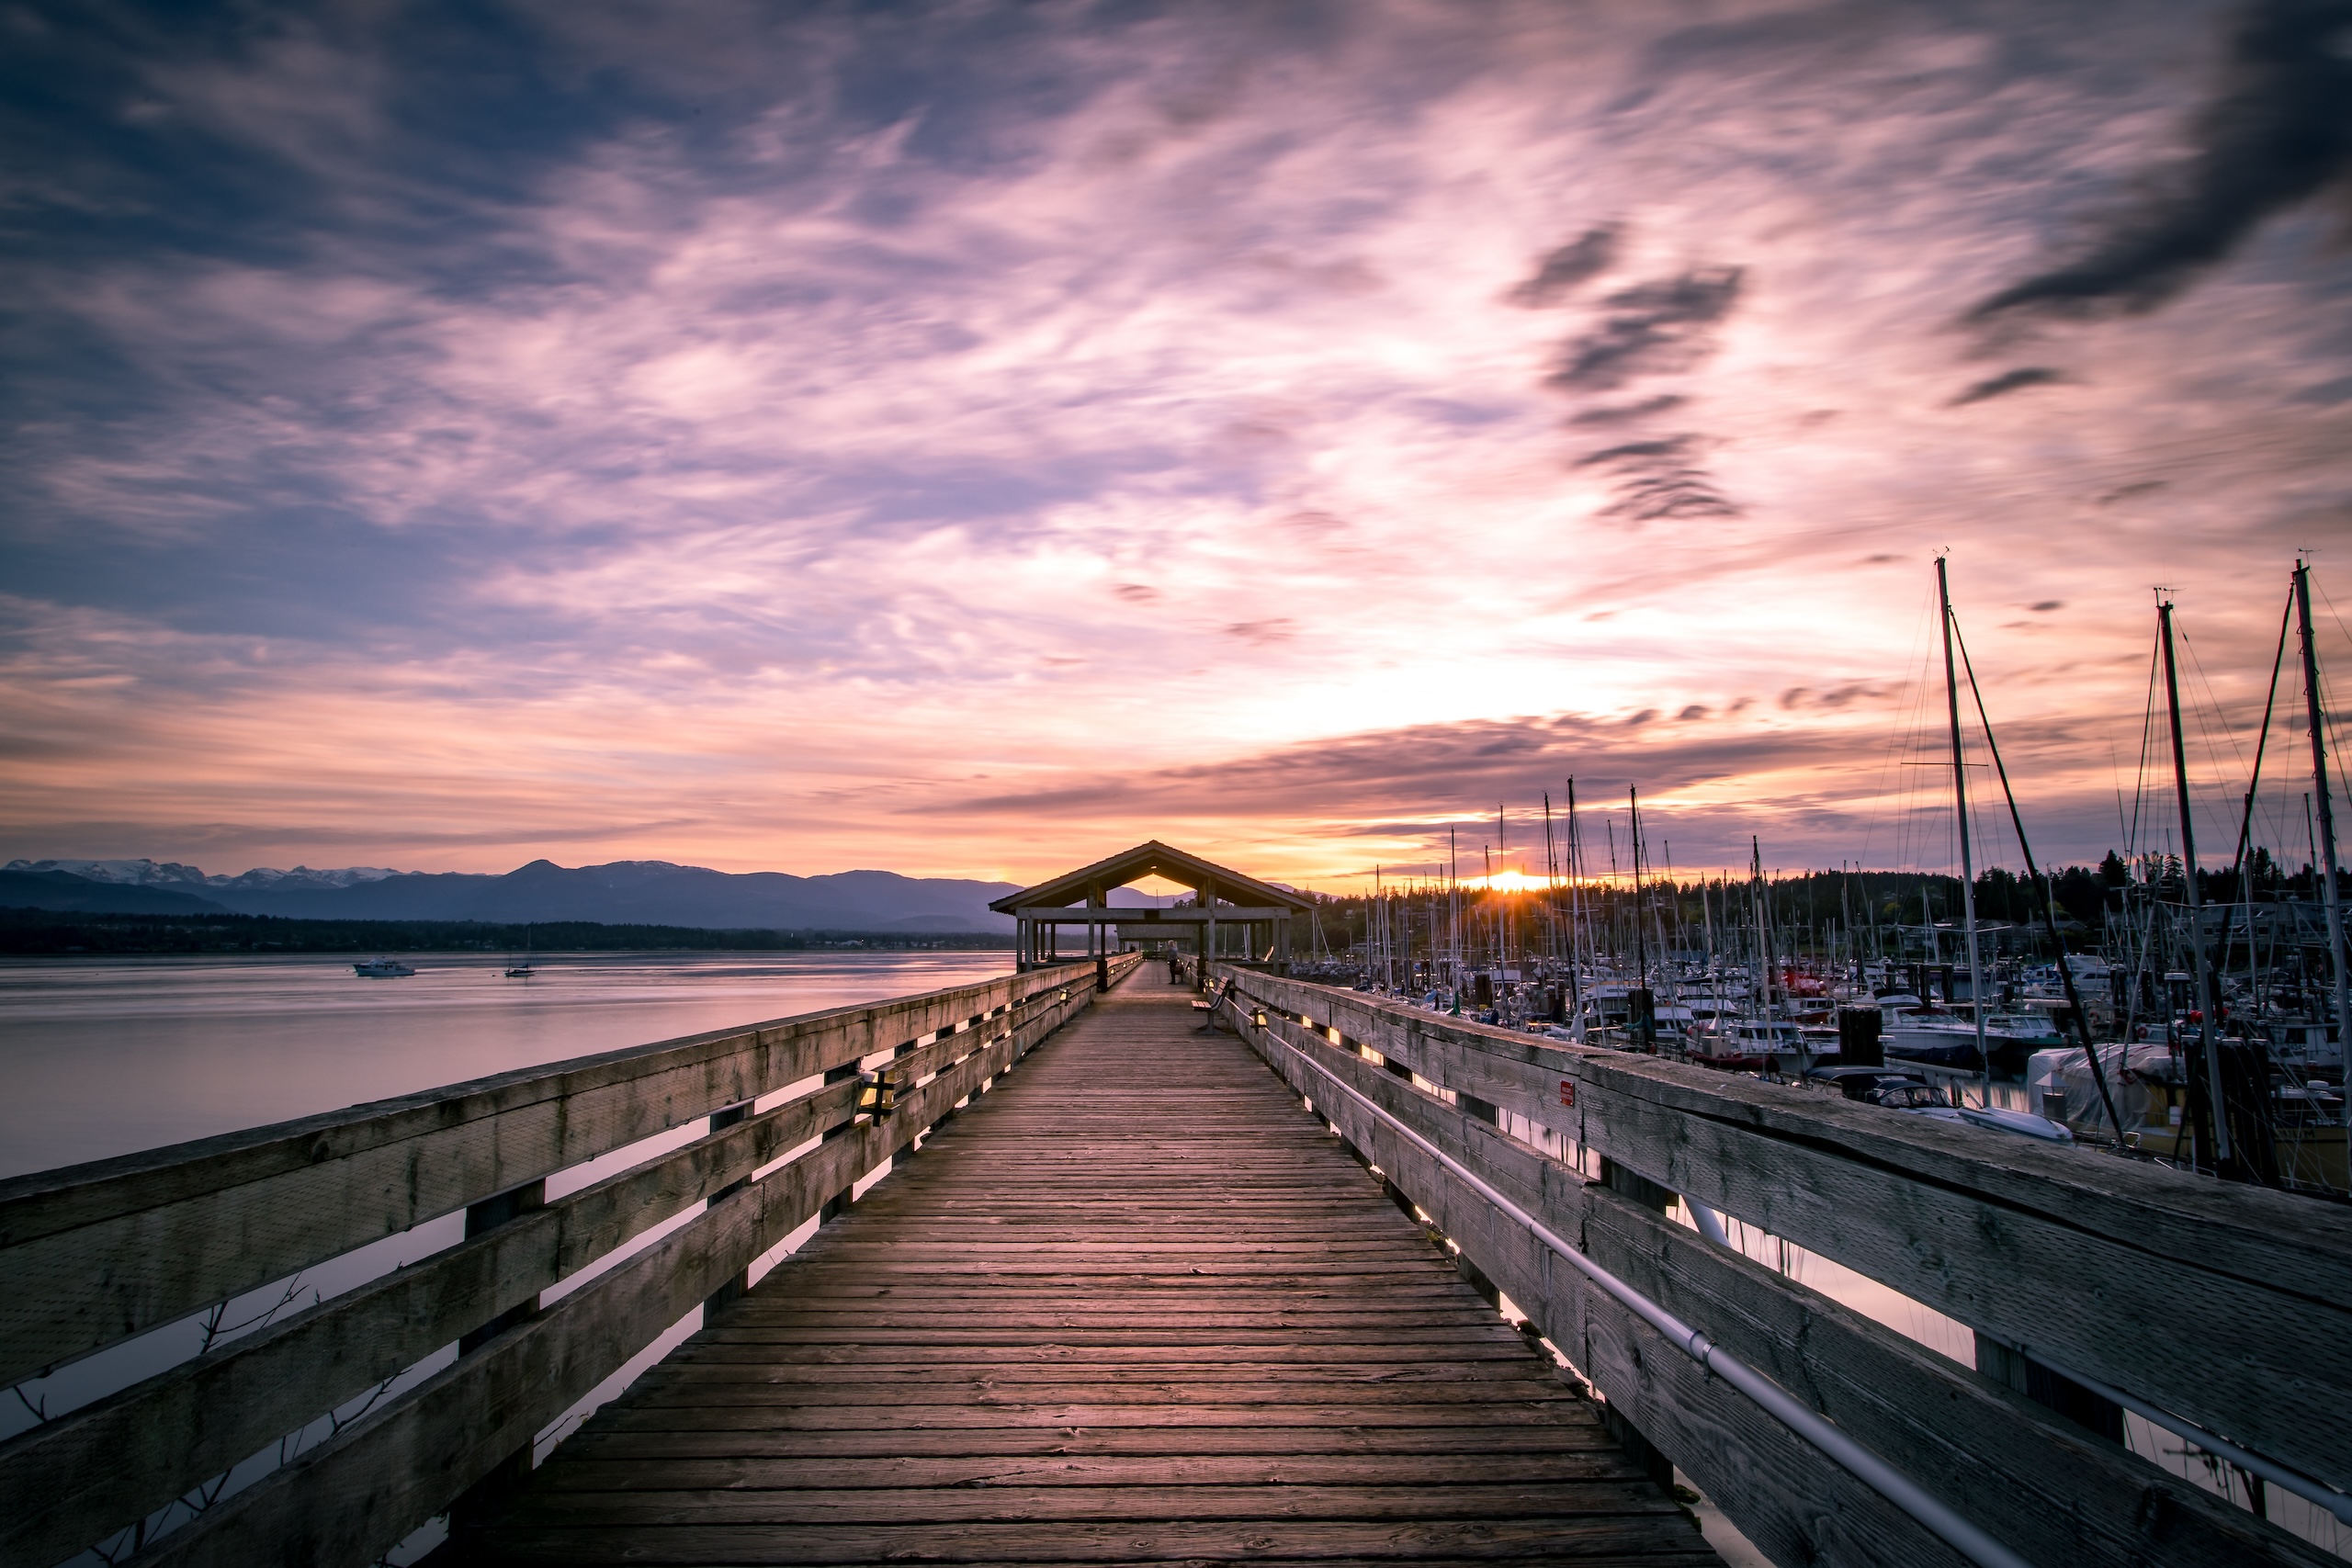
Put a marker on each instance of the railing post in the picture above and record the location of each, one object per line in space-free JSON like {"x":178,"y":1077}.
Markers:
{"x":492,"y":1488}
{"x":2021,"y":1373}
{"x":719,"y":1299}
{"x":1633,"y":1188}
{"x":1639,"y":1190}
{"x":836,"y":1206}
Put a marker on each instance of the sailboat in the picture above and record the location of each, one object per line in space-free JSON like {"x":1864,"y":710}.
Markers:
{"x":523,"y":970}
{"x":1944,"y":1039}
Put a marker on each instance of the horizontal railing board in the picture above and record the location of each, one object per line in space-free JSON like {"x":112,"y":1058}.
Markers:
{"x":99,"y":1252}
{"x":2062,"y":1494}
{"x":2131,"y":1274}
{"x":1779,"y":1492}
{"x":347,"y":1501}
{"x":127,"y":1455}
{"x":2284,"y":1241}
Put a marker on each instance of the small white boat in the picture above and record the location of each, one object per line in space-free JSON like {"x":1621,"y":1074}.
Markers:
{"x":381,"y":969}
{"x":2003,"y":1119}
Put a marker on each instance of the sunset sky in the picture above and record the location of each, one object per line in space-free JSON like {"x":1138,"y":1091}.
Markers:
{"x":967,"y":439}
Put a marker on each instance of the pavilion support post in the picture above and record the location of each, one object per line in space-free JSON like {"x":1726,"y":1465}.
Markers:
{"x":1099,"y":941}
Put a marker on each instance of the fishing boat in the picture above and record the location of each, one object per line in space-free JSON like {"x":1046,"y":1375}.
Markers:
{"x":1939,"y":1039}
{"x":1748,"y":1046}
{"x":381,"y":969}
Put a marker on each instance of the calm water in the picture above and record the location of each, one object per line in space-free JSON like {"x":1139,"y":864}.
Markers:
{"x":104,"y":1056}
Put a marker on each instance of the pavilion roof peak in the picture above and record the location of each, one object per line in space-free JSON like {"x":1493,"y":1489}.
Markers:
{"x":1152,"y":858}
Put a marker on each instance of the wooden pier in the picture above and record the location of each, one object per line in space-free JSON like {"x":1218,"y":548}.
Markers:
{"x":1083,"y":1265}
{"x":1138,"y":1308}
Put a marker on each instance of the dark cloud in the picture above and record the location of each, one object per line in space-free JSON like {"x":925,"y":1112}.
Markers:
{"x":1409,"y":775}
{"x":1843,"y":695}
{"x":1652,"y":329}
{"x":1583,"y":258}
{"x":2279,"y":130}
{"x":1655,"y":328}
{"x":1658,"y":480}
{"x":1134,"y":593}
{"x":2006,"y":382}
{"x":1693,"y":710}
{"x":1261,"y":634}
{"x":1625,"y":413}
{"x":2125,"y":492}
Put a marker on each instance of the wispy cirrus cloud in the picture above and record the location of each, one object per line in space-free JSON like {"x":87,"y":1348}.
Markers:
{"x":520,"y":423}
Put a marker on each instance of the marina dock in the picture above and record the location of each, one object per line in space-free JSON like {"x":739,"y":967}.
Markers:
{"x":1170,"y":1259}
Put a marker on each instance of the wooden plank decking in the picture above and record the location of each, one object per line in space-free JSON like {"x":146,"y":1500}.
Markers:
{"x":1136,"y":1306}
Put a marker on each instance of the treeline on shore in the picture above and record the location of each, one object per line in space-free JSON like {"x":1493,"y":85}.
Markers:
{"x":45,"y":932}
{"x":2087,"y":895}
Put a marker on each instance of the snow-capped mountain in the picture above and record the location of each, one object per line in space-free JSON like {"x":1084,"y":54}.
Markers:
{"x":623,"y":892}
{"x":303,"y":877}
{"x":188,"y":878}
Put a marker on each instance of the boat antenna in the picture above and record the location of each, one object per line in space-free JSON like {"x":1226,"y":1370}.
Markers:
{"x":2041,"y":885}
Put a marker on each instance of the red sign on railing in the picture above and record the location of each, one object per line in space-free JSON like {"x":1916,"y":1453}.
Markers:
{"x":1567,"y":1091}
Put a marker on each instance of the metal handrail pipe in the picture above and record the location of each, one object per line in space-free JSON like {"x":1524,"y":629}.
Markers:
{"x":2271,"y":1469}
{"x":1710,"y":1225}
{"x":1868,"y":1468}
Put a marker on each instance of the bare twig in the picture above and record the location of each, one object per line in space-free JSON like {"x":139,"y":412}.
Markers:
{"x":214,"y":1330}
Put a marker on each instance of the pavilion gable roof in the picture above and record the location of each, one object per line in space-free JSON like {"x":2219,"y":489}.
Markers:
{"x":1152,"y":858}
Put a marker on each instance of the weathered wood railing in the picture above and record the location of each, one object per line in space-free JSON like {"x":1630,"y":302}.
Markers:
{"x":2226,"y":1305}
{"x":94,"y":1254}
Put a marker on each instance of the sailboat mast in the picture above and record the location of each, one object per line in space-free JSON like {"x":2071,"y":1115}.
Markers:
{"x":2216,"y":1109}
{"x":1551,"y":886}
{"x":1575,"y":919}
{"x":1503,"y":926}
{"x":2331,"y":900}
{"x":1960,"y":815}
{"x":1641,"y":949}
{"x":1454,"y":911}
{"x":1763,"y":940}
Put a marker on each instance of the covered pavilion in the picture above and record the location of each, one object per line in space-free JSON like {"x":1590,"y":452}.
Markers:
{"x":1231,"y":916}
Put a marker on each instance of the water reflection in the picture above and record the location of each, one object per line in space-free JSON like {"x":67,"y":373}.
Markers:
{"x":105,"y":1057}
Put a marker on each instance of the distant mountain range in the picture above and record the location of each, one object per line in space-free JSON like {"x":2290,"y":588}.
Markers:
{"x":648,"y":892}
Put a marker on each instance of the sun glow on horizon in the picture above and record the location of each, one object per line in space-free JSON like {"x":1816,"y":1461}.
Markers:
{"x":1509,"y":881}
